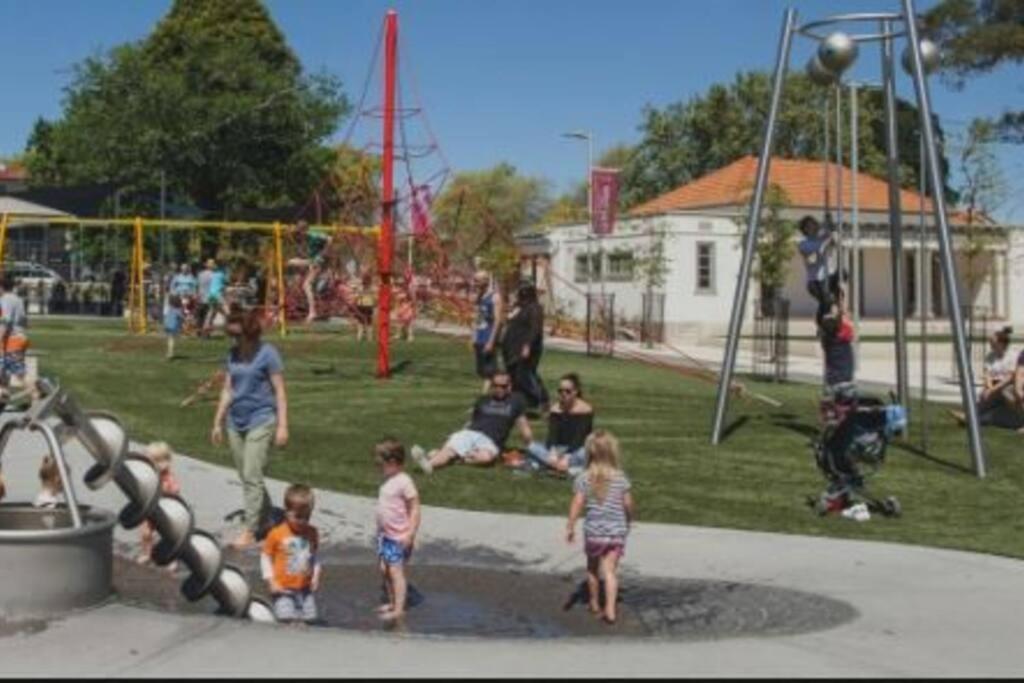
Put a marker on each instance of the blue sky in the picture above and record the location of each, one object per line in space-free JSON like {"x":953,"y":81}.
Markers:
{"x":500,"y":80}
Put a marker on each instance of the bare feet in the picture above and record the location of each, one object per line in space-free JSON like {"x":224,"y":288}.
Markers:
{"x":595,"y":608}
{"x":143,"y":558}
{"x":384,"y":609}
{"x":391,"y":615}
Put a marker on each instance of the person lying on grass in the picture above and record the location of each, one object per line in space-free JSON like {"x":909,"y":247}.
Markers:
{"x":483,"y":439}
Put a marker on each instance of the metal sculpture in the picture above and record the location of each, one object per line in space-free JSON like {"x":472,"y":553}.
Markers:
{"x":59,"y":419}
{"x":837,"y":52}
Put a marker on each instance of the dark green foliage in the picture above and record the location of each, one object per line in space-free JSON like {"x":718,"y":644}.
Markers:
{"x":977,"y":36}
{"x":214,"y":97}
{"x":686,"y":140}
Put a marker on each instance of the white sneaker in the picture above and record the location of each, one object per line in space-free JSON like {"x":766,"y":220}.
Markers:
{"x":862,"y":514}
{"x":420,"y":456}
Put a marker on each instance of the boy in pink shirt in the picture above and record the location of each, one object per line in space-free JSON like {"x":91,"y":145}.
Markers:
{"x":398,"y":520}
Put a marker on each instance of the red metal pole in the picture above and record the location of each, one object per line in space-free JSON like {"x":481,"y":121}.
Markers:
{"x":386,"y":242}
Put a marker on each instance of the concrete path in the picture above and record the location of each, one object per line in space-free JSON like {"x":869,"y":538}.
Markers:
{"x":922,"y":612}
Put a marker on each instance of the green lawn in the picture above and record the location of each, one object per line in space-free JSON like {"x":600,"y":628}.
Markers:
{"x":757,"y":479}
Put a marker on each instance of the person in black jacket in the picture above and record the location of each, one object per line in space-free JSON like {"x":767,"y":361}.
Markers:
{"x":522,"y":346}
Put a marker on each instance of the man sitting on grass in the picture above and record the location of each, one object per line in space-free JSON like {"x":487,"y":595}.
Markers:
{"x":483,"y":439}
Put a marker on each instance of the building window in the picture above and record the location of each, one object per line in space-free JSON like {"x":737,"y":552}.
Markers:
{"x":620,"y":266}
{"x":582,"y":273}
{"x":706,"y":267}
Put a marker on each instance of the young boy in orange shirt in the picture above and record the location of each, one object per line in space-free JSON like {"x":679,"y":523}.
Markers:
{"x":289,"y":561}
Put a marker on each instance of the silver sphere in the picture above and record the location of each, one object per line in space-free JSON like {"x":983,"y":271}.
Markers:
{"x":817,"y":72}
{"x":837,"y":52}
{"x":930,"y":57}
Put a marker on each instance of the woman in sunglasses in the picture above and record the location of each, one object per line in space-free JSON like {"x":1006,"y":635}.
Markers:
{"x":569,"y":424}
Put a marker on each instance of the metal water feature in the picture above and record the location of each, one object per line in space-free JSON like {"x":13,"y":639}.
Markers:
{"x":56,"y":560}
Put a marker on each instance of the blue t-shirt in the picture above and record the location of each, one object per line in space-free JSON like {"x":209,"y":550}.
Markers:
{"x":184,"y":285}
{"x":484,"y":319}
{"x":218,"y":281}
{"x":253,"y":403}
{"x":813,"y":251}
{"x":173,"y":319}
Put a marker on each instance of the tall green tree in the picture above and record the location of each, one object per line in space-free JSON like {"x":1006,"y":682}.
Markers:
{"x":976,"y":37}
{"x":686,"y":140}
{"x":214,"y":98}
{"x":479,"y":213}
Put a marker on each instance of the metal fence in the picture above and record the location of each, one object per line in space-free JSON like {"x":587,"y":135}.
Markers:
{"x":652,"y":322}
{"x":977,"y":327}
{"x":600,"y":324}
{"x":771,"y":339}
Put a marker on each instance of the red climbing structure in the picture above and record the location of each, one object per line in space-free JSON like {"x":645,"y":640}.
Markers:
{"x":386,"y":243}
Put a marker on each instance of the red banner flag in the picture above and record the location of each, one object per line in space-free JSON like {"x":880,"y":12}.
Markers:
{"x":604,"y":199}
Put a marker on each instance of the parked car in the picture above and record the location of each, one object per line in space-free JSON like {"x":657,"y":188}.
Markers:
{"x":30,"y":275}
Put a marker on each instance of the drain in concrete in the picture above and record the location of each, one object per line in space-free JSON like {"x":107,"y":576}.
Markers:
{"x":477,"y":601}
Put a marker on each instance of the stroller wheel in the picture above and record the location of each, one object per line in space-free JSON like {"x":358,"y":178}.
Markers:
{"x":891,"y":507}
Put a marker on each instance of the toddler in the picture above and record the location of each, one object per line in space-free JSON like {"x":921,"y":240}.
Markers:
{"x":289,"y":561}
{"x":602,"y":496}
{"x":398,"y":520}
{"x":406,"y":314}
{"x":51,"y":493}
{"x":174,"y":318}
{"x":159,"y":453}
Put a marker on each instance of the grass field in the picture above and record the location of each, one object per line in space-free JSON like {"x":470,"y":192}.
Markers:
{"x":758,"y":479}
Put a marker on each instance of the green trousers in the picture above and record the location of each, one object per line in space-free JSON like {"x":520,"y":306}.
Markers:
{"x":251,"y":451}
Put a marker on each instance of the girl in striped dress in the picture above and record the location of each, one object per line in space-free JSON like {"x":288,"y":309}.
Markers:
{"x":602,"y":496}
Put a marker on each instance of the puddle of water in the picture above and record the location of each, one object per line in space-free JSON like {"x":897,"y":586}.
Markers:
{"x":509,"y":602}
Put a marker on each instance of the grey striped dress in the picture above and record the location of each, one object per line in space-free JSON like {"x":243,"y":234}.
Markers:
{"x":604,"y":519}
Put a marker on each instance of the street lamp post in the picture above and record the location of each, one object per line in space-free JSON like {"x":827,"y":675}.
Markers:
{"x":586,"y":135}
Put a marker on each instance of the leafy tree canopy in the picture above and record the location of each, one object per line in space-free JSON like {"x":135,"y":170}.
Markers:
{"x":479,"y":213}
{"x":214,"y":98}
{"x":977,"y":36}
{"x":686,"y":140}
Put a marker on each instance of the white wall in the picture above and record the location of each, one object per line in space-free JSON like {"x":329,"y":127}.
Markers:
{"x":686,"y":308}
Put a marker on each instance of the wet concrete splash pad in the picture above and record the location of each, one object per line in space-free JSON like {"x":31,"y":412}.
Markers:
{"x":490,"y":602}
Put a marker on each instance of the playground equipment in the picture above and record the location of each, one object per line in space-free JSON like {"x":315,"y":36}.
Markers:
{"x":56,"y":560}
{"x":836,"y":52}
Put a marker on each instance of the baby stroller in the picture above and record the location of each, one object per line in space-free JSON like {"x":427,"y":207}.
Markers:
{"x":851,"y":448}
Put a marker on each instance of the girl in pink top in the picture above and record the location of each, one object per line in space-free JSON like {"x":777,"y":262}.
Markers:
{"x":398,"y":520}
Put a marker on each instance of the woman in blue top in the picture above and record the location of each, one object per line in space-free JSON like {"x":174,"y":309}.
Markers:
{"x":255,"y":406}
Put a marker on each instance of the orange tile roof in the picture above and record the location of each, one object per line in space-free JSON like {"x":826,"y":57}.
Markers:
{"x":13,"y":171}
{"x":802,"y":180}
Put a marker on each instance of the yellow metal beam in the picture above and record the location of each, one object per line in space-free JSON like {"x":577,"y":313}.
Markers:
{"x":177,"y":224}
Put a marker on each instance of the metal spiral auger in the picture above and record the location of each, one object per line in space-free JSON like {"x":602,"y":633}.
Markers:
{"x":59,"y":419}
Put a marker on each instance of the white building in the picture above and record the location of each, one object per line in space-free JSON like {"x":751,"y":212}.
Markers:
{"x":702,"y":224}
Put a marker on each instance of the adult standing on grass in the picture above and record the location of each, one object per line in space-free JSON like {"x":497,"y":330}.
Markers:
{"x":215,"y":296}
{"x":203,"y":281}
{"x":254,"y":406}
{"x":523,"y":345}
{"x":13,"y":339}
{"x":486,"y":328}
